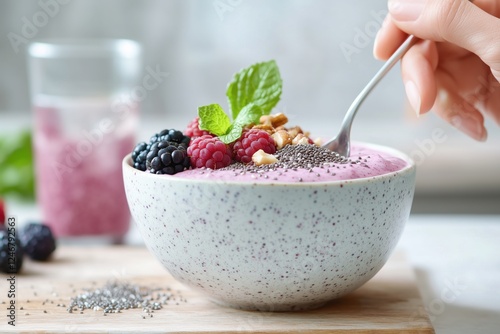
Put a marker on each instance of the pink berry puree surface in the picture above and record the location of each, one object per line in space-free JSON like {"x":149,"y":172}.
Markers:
{"x":364,"y":162}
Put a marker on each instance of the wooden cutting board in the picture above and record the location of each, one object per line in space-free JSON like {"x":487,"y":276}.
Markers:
{"x":388,"y":303}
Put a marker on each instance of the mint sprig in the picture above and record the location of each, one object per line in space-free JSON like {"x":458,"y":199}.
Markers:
{"x":260,"y":84}
{"x":253,"y":92}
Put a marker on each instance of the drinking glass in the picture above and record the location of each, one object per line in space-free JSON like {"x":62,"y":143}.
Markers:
{"x":85,"y":120}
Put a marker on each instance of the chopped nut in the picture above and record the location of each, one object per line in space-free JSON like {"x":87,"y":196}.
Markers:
{"x":269,"y":129}
{"x":276,"y":120}
{"x":262,"y":158}
{"x":281,"y":139}
{"x":266,"y":120}
{"x":293,"y":132}
{"x":281,"y":127}
{"x":303,"y":141}
{"x":318,"y":141}
{"x":300,"y":139}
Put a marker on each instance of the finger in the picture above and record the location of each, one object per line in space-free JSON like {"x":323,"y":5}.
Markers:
{"x":456,"y":21}
{"x":490,"y":7}
{"x":487,"y":99}
{"x":468,"y":73}
{"x":458,"y":112}
{"x":388,"y":39}
{"x":417,"y":68}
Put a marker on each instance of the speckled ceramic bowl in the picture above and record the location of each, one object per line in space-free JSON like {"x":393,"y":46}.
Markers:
{"x":271,"y":247}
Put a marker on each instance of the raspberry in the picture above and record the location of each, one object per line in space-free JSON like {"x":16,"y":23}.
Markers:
{"x":208,"y":151}
{"x":38,"y":241}
{"x":250,"y":142}
{"x":193,"y":129}
{"x":2,"y":212}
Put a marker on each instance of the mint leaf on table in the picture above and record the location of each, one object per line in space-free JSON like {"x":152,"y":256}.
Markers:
{"x":16,"y":165}
{"x":213,"y":119}
{"x":260,"y":84}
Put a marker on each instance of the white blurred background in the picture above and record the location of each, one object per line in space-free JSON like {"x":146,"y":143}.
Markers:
{"x":323,"y":49}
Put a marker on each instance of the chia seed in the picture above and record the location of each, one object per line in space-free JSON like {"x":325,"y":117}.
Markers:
{"x":295,"y":157}
{"x":114,"y":297}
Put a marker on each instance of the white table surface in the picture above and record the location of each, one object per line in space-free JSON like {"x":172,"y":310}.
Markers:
{"x":457,"y":264}
{"x":456,"y":259}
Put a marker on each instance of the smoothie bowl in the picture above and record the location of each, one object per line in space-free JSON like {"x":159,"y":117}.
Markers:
{"x":272,"y":245}
{"x":281,"y":227}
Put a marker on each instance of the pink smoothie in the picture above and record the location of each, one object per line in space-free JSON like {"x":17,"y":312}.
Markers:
{"x":369,"y":162}
{"x":79,"y":178}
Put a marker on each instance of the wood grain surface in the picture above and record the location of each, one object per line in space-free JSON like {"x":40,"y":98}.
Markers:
{"x":388,"y":303}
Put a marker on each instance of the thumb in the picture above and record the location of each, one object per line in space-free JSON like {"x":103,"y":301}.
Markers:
{"x":455,"y":21}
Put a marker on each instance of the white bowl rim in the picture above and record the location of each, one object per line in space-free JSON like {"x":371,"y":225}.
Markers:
{"x":409,"y":168}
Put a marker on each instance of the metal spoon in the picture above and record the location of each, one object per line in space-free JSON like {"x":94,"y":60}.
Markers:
{"x":341,"y":143}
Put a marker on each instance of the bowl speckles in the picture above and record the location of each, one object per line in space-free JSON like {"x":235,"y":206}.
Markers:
{"x":271,"y":247}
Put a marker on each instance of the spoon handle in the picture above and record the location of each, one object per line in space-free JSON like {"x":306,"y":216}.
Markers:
{"x":344,"y":134}
{"x":388,"y":65}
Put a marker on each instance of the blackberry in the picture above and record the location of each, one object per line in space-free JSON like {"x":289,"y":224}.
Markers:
{"x":167,"y":157}
{"x":170,"y":135}
{"x":38,"y":241}
{"x":144,"y":153}
{"x":11,"y":254}
{"x":139,"y":156}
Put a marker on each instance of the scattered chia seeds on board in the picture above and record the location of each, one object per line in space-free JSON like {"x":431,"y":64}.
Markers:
{"x":114,"y":297}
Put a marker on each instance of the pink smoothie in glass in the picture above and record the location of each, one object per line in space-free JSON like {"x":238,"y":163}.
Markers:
{"x":79,"y":178}
{"x":369,"y":162}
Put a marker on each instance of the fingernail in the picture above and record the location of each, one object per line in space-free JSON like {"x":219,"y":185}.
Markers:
{"x":413,"y":96}
{"x":406,"y":10}
{"x":469,"y":126}
{"x":375,"y":46}
{"x":377,"y":38}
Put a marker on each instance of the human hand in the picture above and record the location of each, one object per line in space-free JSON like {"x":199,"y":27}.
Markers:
{"x":455,"y":69}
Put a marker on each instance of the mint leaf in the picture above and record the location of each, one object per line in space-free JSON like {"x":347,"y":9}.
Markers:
{"x":259,"y":84}
{"x":250,"y":114}
{"x":214,"y":119}
{"x":233,"y":134}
